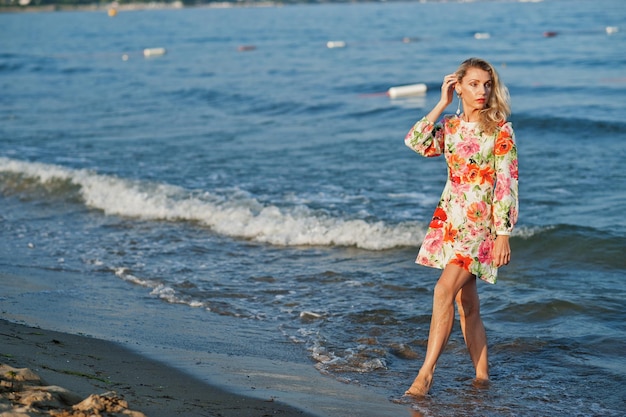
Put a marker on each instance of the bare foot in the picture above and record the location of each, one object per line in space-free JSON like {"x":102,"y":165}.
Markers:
{"x":480,"y":383}
{"x":420,"y":386}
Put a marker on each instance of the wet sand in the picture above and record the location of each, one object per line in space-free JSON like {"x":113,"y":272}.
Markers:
{"x":85,"y":366}
{"x":210,"y":368}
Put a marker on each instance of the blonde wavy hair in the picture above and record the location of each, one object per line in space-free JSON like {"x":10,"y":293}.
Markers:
{"x":498,"y":107}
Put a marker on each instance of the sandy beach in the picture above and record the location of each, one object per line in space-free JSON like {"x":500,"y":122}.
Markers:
{"x":85,"y":366}
{"x":211,"y":368}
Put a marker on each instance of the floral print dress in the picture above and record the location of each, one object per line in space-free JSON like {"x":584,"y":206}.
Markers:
{"x":479,"y":200}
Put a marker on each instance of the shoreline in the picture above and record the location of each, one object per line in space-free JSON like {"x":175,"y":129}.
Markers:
{"x":203,"y":363}
{"x":86,"y":366}
{"x":129,"y":7}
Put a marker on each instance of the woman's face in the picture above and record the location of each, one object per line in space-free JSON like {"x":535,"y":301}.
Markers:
{"x":475,"y":89}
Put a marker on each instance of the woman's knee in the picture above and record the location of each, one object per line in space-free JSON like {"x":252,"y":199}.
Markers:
{"x":444,"y":292}
{"x":452,"y":280}
{"x":468,"y":303}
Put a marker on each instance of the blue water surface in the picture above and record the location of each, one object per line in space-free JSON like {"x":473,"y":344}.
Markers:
{"x":254,"y":173}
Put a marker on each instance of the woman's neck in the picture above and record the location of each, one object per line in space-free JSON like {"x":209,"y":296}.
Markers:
{"x":472,"y":117}
{"x":468,"y":119}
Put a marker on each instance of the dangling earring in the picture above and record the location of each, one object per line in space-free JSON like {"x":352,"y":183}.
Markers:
{"x":458,"y":109}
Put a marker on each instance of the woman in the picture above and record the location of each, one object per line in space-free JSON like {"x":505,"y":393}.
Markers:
{"x":468,"y":236}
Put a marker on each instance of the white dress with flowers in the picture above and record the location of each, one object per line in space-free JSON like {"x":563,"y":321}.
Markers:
{"x":479,"y":200}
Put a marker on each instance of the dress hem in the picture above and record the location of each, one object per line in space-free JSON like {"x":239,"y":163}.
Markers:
{"x":440,"y":268}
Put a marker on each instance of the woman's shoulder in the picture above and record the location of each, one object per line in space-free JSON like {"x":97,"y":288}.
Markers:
{"x":450,"y":121}
{"x":506,"y":126}
{"x":505,"y":122}
{"x":449,"y":117}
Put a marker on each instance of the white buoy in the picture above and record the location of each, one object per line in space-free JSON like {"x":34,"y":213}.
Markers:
{"x":407,"y":90}
{"x":153,"y":52}
{"x":309,"y":315}
{"x":482,"y":35}
{"x":335,"y":44}
{"x":611,"y":30}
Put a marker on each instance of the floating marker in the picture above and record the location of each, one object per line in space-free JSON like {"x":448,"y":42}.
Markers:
{"x":407,"y":90}
{"x":335,"y":44}
{"x":549,"y":34}
{"x":309,"y":315}
{"x":611,"y":30}
{"x":244,"y":48}
{"x":482,"y":35}
{"x":153,"y":52}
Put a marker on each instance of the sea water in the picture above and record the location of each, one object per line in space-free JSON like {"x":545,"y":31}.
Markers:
{"x":255,"y":175}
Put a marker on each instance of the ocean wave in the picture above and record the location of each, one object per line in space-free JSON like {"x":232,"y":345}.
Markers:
{"x":246,"y":104}
{"x":572,"y":127}
{"x":573,"y":245}
{"x":160,"y":290}
{"x":295,"y":223}
{"x":235,"y":215}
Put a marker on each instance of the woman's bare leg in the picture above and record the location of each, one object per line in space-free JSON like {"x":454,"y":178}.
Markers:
{"x":452,"y":279}
{"x":473,"y":329}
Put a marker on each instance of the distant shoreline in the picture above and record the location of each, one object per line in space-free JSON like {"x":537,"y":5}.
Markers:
{"x":164,"y":5}
{"x":99,"y":7}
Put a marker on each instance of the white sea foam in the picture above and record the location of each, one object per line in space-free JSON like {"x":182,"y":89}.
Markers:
{"x":126,"y":276}
{"x":159,"y":290}
{"x":241,"y":217}
{"x":526,"y":232}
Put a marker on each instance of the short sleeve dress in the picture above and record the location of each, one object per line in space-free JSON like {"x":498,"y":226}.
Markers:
{"x":479,"y":200}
